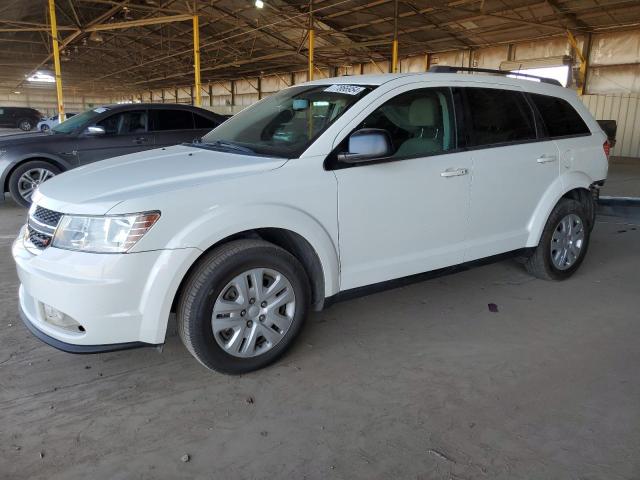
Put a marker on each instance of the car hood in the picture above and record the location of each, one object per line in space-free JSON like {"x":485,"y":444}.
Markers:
{"x":33,"y":138}
{"x":96,"y":188}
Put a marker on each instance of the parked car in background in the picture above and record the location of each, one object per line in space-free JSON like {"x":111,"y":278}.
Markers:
{"x":19,"y":117}
{"x":319,"y":192}
{"x":27,"y":160}
{"x":47,"y":123}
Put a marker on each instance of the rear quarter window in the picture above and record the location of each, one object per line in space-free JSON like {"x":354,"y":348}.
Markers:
{"x":559,"y":117}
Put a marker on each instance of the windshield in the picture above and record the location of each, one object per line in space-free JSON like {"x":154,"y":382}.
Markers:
{"x":285,"y":124}
{"x":70,"y":125}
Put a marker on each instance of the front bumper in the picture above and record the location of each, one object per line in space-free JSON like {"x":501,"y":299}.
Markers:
{"x":72,"y":348}
{"x":119,"y":300}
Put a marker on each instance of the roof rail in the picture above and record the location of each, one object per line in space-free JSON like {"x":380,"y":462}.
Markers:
{"x":452,"y":69}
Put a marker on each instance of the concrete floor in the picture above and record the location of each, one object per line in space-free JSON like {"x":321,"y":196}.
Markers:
{"x":422,"y":382}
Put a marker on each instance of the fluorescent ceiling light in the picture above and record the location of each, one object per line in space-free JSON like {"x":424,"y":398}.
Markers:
{"x":42,"y":77}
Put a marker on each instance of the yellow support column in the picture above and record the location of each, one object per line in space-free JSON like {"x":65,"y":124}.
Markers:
{"x":394,"y":46}
{"x":583,"y":62}
{"x":56,"y":59}
{"x":196,"y":59}
{"x":312,"y":38}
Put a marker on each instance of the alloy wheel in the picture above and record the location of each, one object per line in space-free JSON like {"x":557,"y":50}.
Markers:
{"x":567,"y":242}
{"x":31,"y":179}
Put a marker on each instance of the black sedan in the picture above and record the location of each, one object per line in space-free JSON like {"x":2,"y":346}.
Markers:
{"x":26,"y":160}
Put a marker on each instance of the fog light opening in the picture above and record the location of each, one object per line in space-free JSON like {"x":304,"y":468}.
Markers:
{"x":55,"y":317}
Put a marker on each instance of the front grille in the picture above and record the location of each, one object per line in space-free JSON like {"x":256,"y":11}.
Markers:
{"x":41,"y":226}
{"x":37,"y":239}
{"x":48,"y":217}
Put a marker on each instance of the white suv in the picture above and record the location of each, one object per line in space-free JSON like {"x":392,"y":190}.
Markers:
{"x":305,"y":198}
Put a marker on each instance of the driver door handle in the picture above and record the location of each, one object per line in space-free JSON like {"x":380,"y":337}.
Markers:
{"x":546,"y":158}
{"x":140,"y":140}
{"x":454,"y":172}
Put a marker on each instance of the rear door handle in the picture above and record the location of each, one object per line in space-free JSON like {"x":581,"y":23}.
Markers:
{"x":140,"y":140}
{"x":547,"y":158}
{"x":454,"y":172}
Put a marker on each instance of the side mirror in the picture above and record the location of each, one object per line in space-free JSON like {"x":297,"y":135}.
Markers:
{"x":95,"y":130}
{"x":367,"y":144}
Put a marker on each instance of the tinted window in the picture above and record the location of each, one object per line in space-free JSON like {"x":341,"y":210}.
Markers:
{"x":420,"y":122}
{"x":204,"y":122}
{"x":499,"y":116}
{"x":559,"y":116}
{"x":125,"y":122}
{"x":171,"y":120}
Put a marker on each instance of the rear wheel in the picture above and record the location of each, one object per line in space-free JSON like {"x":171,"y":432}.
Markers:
{"x":44,"y":127}
{"x":25,"y":124}
{"x":242,"y":306}
{"x":563,"y":244}
{"x":27,"y":177}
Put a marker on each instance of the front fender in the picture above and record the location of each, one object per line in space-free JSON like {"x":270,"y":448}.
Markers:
{"x":221,"y":222}
{"x":563,"y":184}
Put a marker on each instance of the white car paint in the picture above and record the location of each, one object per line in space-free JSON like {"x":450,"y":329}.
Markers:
{"x":366,"y":224}
{"x":49,"y":123}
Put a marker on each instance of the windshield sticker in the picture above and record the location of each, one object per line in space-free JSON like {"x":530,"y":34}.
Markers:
{"x":346,"y":89}
{"x":100,"y":110}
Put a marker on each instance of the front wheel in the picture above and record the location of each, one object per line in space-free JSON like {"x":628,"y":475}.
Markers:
{"x":27,"y":177}
{"x":242,"y":306}
{"x":563,"y":244}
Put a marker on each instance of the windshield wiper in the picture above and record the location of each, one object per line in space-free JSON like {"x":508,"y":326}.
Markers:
{"x":223,"y":144}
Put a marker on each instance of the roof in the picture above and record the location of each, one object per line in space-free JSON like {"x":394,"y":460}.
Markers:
{"x":377,"y":80}
{"x":239,"y":40}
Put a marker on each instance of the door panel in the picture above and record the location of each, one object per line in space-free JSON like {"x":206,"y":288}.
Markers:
{"x":409,"y":214}
{"x":401,"y":218}
{"x":506,"y":186}
{"x":512,"y":170}
{"x":126,"y":132}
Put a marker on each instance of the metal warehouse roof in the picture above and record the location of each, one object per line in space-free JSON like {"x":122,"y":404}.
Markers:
{"x":239,"y":40}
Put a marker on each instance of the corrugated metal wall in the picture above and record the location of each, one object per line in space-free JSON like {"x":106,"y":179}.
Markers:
{"x":625,"y":109}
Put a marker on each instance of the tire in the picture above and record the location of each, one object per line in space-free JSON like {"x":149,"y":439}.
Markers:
{"x":17,"y":182}
{"x":25,"y":124}
{"x":44,"y":128}
{"x":543,"y":262}
{"x":206,"y":288}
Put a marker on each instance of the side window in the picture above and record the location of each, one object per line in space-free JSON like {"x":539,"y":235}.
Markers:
{"x":498,"y":116}
{"x":560,"y":118}
{"x":204,"y":122}
{"x":420,"y":122}
{"x":171,"y":120}
{"x":125,"y":123}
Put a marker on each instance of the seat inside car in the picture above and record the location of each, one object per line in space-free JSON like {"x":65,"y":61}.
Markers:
{"x":425,"y":118}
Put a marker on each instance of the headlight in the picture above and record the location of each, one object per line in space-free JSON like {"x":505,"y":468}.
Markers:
{"x":108,"y":234}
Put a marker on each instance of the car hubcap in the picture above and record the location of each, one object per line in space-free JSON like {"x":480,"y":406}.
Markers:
{"x":29,"y":181}
{"x":253,"y":312}
{"x":567,"y":242}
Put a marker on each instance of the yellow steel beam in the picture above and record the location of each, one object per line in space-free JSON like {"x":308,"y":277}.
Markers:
{"x":312,"y":38}
{"x":583,"y":61}
{"x":394,"y":45}
{"x":56,"y":59}
{"x":196,"y":59}
{"x":312,"y":35}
